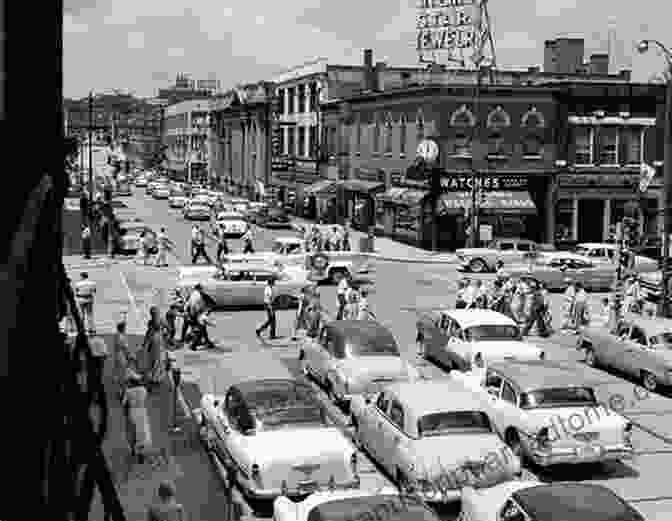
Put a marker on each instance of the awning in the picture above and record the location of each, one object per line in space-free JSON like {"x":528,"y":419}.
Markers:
{"x":357,"y":185}
{"x":516,"y":202}
{"x":321,"y":188}
{"x":403,"y":196}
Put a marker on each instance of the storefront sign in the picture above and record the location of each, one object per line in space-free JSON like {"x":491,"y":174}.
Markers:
{"x":452,"y":26}
{"x":463,"y":183}
{"x":619,"y":180}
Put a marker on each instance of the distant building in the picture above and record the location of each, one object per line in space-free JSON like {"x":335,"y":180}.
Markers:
{"x":186,"y":89}
{"x":185,"y":131}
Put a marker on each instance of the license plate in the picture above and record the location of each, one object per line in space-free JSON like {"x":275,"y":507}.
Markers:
{"x":588,"y":451}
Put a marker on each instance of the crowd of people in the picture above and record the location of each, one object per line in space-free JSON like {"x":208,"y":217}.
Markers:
{"x":323,"y":239}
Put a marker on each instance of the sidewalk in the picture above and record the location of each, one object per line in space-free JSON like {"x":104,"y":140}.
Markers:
{"x":179,"y":457}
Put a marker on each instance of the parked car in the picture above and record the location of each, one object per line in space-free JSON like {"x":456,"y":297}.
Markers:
{"x":197,"y":211}
{"x":483,"y":260}
{"x":161,"y":191}
{"x":607,"y":252}
{"x":534,"y":501}
{"x":651,"y":285}
{"x":149,"y":189}
{"x":640,"y":347}
{"x":351,"y":357}
{"x":528,"y":401}
{"x":348,"y":505}
{"x":256,"y":408}
{"x":129,"y":239}
{"x":232,"y":224}
{"x":470,"y":339}
{"x":273,"y":218}
{"x":244,"y":286}
{"x":557,"y":270}
{"x":426,"y":433}
{"x":200,"y":198}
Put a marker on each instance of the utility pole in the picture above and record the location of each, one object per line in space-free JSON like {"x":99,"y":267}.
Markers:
{"x":475,"y":175}
{"x":91,"y":186}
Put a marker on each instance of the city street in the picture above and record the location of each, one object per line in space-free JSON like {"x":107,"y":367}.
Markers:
{"x":400,"y":290}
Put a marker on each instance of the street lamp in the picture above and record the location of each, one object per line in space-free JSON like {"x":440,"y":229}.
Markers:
{"x":642,"y":47}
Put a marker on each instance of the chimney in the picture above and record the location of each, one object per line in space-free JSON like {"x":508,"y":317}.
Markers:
{"x":368,"y":69}
{"x":599,"y":64}
{"x":378,"y":78}
{"x":626,"y":74}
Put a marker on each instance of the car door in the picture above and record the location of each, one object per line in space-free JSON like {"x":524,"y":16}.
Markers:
{"x":457,"y":352}
{"x":392,"y":433}
{"x":492,"y":386}
{"x":635,"y":353}
{"x":611,"y":348}
{"x":227,"y":427}
{"x":371,"y":424}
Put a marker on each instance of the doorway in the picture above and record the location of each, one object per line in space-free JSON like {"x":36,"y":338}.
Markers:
{"x":591,"y":220}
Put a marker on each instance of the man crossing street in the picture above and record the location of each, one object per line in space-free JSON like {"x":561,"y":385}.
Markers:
{"x":269,"y":297}
{"x":85,"y":290}
{"x":199,"y":248}
{"x":164,"y":244}
{"x":86,"y":241}
{"x":247,"y":241}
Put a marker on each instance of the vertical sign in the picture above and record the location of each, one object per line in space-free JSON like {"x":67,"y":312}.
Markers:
{"x":451,"y":27}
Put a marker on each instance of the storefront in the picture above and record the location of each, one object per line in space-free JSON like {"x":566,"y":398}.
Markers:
{"x":590,"y":205}
{"x":359,"y":202}
{"x":399,"y":214}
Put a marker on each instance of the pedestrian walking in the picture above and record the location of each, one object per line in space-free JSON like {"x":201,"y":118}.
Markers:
{"x":199,"y":248}
{"x":154,"y":347}
{"x":472,"y":294}
{"x":345,"y":242}
{"x":603,"y":317}
{"x":170,"y":321}
{"x":222,"y":244}
{"x":536,"y":314}
{"x":351,"y":310}
{"x":568,"y":307}
{"x":269,"y":297}
{"x":84,"y":206}
{"x":85,"y":291}
{"x":123,"y":358}
{"x":86,"y":241}
{"x":138,"y":428}
{"x":632,"y":300}
{"x":248,"y":239}
{"x":364,"y":309}
{"x":194,"y":239}
{"x":343,"y":286}
{"x":99,"y":352}
{"x":192,"y":308}
{"x":581,"y":313}
{"x":145,"y":248}
{"x":163,"y":245}
{"x":304,"y":302}
{"x":201,"y":337}
{"x":167,"y":508}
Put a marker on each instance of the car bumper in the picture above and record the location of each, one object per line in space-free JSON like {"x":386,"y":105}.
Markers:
{"x":233,"y":235}
{"x":296,"y":491}
{"x":574,"y":455}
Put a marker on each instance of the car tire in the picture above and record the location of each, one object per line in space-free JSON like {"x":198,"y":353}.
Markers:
{"x":478,"y":266}
{"x":590,"y":356}
{"x":649,"y":381}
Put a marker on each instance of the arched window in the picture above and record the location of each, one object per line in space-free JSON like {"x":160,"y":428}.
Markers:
{"x":533,"y":119}
{"x":464,"y":121}
{"x":498,"y":119}
{"x":402,"y":135}
{"x":463,"y":118}
{"x":388,"y":133}
{"x":420,"y":126}
{"x":375,"y":134}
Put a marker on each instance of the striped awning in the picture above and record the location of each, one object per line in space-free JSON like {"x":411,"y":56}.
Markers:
{"x":402,"y":196}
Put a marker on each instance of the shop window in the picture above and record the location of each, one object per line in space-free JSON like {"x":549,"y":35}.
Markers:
{"x":608,"y":145}
{"x":583,"y":145}
{"x":291,"y":151}
{"x":388,"y":134}
{"x":402,"y":135}
{"x":532,"y":146}
{"x":631,"y":138}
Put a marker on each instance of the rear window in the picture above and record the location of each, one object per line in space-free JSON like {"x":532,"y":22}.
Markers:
{"x":457,"y":422}
{"x":492,"y":332}
{"x":559,"y":397}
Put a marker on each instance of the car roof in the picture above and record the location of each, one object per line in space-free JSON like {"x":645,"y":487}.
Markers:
{"x":230,"y":214}
{"x":565,"y":255}
{"x":362,"y":330}
{"x":476,"y":317}
{"x":531,"y":375}
{"x":429,"y":396}
{"x":582,"y":501}
{"x":289,"y":240}
{"x":247,"y":366}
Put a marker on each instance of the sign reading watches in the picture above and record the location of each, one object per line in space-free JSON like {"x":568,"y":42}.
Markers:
{"x":465,"y":183}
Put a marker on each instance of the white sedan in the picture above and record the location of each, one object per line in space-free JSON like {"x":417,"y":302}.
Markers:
{"x":232,"y":224}
{"x":352,"y":357}
{"x":348,"y":505}
{"x":606,"y":252}
{"x":534,"y":501}
{"x":161,"y":191}
{"x":273,"y":431}
{"x":434,"y":437}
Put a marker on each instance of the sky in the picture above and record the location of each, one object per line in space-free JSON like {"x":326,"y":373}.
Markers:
{"x":139,"y":46}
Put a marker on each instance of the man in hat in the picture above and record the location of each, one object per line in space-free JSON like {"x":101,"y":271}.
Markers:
{"x":86,"y":241}
{"x":195,"y":304}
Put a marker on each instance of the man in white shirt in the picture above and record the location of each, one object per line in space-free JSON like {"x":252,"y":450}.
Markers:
{"x":342,"y":296}
{"x":100,"y":352}
{"x":85,"y":290}
{"x":247,"y":241}
{"x":194,"y":238}
{"x":163,"y":245}
{"x":269,"y":297}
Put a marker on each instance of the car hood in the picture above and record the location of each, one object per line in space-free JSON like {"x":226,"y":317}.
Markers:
{"x":314,"y":445}
{"x":470,"y":252}
{"x":497,"y":350}
{"x":438,"y":457}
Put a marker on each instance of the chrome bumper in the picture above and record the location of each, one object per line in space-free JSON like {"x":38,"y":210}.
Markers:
{"x":299,"y":490}
{"x":581,"y":454}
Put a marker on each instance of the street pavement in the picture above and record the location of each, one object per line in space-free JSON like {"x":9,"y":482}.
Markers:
{"x":401,"y":289}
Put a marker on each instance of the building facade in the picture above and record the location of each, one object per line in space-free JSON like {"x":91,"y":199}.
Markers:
{"x":241,"y":126}
{"x":185,"y":132}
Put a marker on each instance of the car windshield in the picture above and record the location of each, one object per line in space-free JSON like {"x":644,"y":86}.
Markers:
{"x":492,"y":332}
{"x":558,"y":397}
{"x":662,"y":340}
{"x":457,"y":422}
{"x":198,"y":207}
{"x":372,"y":508}
{"x":373,"y":347}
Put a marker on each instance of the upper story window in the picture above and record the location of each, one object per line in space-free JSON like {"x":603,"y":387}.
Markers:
{"x":498,"y":119}
{"x":290,"y":100}
{"x":402,"y":135}
{"x":302,"y":98}
{"x":631,"y":139}
{"x":291,"y":150}
{"x":532,"y":146}
{"x":420,"y":125}
{"x":464,"y":121}
{"x":281,"y":101}
{"x":301,"y":141}
{"x":388,"y":133}
{"x":313,"y":100}
{"x":533,"y":119}
{"x":358,"y":136}
{"x":375,"y":137}
{"x":607,"y":142}
{"x":583,"y":145}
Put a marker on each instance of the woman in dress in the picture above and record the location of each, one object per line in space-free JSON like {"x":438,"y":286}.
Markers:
{"x":581,"y":315}
{"x":154,"y":345}
{"x":138,"y":429}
